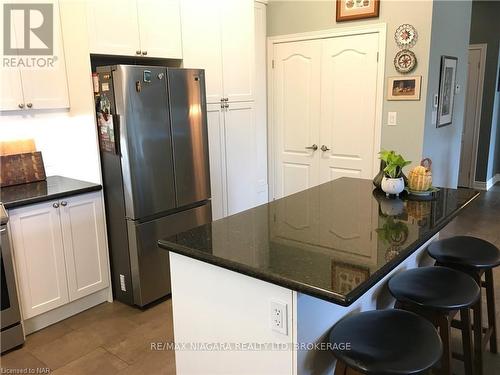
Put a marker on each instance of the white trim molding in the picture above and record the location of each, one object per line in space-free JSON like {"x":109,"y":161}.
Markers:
{"x":481,"y":185}
{"x":477,"y":120}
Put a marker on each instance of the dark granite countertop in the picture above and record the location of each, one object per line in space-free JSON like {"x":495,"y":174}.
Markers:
{"x":54,"y":187}
{"x":334,"y":241}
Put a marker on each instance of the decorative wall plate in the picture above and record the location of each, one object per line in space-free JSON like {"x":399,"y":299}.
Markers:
{"x":406,"y":36}
{"x":405,"y":61}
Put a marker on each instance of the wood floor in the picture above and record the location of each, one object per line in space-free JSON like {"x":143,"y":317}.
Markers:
{"x":113,"y":338}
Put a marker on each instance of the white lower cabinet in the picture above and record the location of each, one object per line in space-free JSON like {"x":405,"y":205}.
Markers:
{"x":60,"y":251}
{"x":234,"y":173}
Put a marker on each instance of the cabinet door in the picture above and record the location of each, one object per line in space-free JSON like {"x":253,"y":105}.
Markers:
{"x":160,"y":28}
{"x":296,"y":116}
{"x":241,"y":154}
{"x":11,"y":97}
{"x":112,"y":27}
{"x":39,"y":258}
{"x":216,"y":152}
{"x":84,"y":244}
{"x":238,"y":52}
{"x":349,"y":89}
{"x":47,"y":88}
{"x":201,"y":43}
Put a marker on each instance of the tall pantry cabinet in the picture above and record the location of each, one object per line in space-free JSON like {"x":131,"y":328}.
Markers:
{"x":220,"y":36}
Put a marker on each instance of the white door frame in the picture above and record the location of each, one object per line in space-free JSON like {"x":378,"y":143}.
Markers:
{"x":479,"y":101}
{"x":380,"y":28}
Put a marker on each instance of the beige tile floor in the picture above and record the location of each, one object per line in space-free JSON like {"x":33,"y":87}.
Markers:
{"x":114,"y":338}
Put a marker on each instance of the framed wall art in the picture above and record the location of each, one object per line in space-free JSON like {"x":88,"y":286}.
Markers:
{"x":404,"y":88}
{"x":348,"y":10}
{"x":446,"y":96}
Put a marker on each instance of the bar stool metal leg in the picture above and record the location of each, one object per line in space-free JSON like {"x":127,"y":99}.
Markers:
{"x":490,"y":299}
{"x":467,"y":340}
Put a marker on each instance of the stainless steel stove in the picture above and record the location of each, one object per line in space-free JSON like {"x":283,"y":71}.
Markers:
{"x":11,"y":334}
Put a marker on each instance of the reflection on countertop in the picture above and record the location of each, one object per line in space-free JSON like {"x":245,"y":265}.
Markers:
{"x":333,"y":241}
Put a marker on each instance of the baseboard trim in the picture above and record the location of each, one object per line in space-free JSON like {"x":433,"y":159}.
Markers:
{"x":53,"y":316}
{"x":481,"y":185}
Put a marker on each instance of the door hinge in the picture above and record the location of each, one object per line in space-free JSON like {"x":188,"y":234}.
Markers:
{"x":377,"y":56}
{"x":272,"y":64}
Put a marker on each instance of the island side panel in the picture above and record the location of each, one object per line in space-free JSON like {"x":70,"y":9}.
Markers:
{"x":315,"y":317}
{"x":215,"y":305}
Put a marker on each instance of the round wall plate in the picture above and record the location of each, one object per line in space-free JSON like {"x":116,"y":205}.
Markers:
{"x":406,"y":36}
{"x":405,"y":61}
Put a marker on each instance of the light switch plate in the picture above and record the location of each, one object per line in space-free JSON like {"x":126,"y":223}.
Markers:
{"x":392,"y":118}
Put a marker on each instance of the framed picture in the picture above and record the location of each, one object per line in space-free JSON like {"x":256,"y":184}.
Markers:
{"x":404,"y":88}
{"x":346,"y":277}
{"x":348,"y":10}
{"x":446,"y":95}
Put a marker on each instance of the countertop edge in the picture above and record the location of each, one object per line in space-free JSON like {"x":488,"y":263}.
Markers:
{"x":28,"y":201}
{"x":338,"y":299}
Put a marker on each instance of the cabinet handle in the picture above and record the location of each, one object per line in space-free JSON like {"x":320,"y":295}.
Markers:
{"x":144,"y":53}
{"x":226,"y":105}
{"x":226,"y":99}
{"x":138,"y":52}
{"x":314,"y":147}
{"x":29,"y":105}
{"x":55,"y":205}
{"x":324,"y":148}
{"x":21,"y":105}
{"x":64,"y":203}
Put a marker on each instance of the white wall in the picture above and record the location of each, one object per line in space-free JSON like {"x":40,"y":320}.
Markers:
{"x":450,"y":36}
{"x":67,"y":139}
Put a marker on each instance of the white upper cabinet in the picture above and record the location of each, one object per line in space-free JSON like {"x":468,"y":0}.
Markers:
{"x":238,"y":50}
{"x":218,"y":36}
{"x":202,"y":44}
{"x":43,"y":86}
{"x":134,"y":27}
{"x":113,"y":27}
{"x":160,"y":28}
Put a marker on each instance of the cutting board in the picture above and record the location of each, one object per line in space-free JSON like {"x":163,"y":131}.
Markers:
{"x":21,"y":168}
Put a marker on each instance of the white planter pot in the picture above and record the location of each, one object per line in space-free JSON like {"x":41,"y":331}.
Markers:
{"x":393,"y":185}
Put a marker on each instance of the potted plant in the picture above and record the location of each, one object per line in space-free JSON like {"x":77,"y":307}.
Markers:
{"x":393,"y":182}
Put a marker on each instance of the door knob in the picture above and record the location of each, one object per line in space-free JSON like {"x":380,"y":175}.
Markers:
{"x":314,"y":147}
{"x":55,"y":205}
{"x":324,"y":148}
{"x":29,"y":105}
{"x":138,"y":52}
{"x":21,"y":105}
{"x":144,"y":53}
{"x":64,"y":203}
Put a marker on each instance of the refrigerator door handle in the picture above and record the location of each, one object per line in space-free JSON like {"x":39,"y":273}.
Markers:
{"x":117,"y":121}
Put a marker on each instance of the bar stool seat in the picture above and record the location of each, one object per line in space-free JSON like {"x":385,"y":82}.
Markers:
{"x":438,"y":293}
{"x":438,"y":288}
{"x":465,"y":251}
{"x":385,"y":342}
{"x":475,"y":257}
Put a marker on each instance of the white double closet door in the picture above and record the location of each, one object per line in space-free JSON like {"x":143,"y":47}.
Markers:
{"x":325,"y":94}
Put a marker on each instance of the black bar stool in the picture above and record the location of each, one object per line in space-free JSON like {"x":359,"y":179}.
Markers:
{"x":438,"y":294}
{"x":476,"y":257}
{"x":385,"y":342}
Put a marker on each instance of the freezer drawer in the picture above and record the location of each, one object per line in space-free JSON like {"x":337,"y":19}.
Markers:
{"x":150,"y":269}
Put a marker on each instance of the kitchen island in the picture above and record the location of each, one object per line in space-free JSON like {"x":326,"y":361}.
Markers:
{"x":257,"y":292}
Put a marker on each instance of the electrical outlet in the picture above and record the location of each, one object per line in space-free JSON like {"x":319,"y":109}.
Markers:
{"x":279,"y":317}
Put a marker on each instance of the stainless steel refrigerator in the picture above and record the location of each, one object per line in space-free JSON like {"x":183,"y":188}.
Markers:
{"x":152,"y":125}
